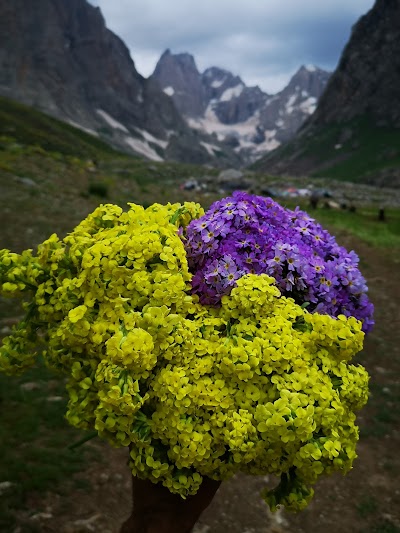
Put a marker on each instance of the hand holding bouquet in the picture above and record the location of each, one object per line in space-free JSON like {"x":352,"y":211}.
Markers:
{"x":187,"y":337}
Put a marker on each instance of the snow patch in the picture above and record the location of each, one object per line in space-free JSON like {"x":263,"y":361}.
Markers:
{"x":311,"y":68}
{"x":143,"y":148}
{"x":269,"y":144}
{"x":79,"y":126}
{"x":289,"y":104}
{"x":271,"y":99}
{"x":211,"y":124}
{"x":169,"y":90}
{"x":309,"y":105}
{"x":111,"y":121}
{"x":244,"y":132}
{"x":150,"y":138}
{"x":304,"y":94}
{"x":279,"y":123}
{"x":211,"y":148}
{"x":217,"y":83}
{"x":233,"y":92}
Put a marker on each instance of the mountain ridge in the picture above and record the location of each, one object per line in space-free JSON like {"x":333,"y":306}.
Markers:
{"x":62,"y":59}
{"x":247,"y":118}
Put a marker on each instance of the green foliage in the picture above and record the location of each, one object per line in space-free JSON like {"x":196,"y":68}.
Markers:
{"x":367,"y":151}
{"x":98,"y":188}
{"x":365,"y":225}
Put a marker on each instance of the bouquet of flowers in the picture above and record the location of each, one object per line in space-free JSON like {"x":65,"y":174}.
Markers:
{"x":187,"y":337}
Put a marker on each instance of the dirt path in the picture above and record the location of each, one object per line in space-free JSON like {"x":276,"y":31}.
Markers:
{"x":367,"y":500}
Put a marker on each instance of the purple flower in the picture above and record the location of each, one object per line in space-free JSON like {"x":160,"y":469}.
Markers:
{"x":246,"y":233}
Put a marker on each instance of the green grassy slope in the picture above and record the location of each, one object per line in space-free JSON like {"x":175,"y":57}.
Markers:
{"x":26,"y":126}
{"x":366,"y":152}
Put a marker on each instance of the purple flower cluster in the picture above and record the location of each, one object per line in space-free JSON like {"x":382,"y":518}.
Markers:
{"x":251,"y":234}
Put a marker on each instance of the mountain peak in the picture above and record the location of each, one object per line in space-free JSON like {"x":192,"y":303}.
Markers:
{"x":308,"y":79}
{"x":216,"y":72}
{"x":178,"y":77}
{"x":217,"y":80}
{"x":309,"y":68}
{"x":182,"y":60}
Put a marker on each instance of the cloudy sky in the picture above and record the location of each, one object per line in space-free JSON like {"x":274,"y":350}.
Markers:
{"x":263,"y":41}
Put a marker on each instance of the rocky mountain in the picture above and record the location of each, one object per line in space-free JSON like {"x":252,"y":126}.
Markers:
{"x":187,"y":91}
{"x":246,"y":118}
{"x":367,"y":79}
{"x":355,"y":130}
{"x":59,"y":57}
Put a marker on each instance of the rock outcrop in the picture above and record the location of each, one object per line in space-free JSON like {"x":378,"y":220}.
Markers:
{"x":367,"y":79}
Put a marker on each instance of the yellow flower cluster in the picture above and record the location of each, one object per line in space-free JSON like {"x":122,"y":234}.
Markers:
{"x":257,"y":385}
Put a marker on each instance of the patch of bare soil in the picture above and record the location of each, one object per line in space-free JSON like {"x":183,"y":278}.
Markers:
{"x":365,"y":501}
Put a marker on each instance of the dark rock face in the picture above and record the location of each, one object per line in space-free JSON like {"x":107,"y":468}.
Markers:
{"x":59,"y":57}
{"x":367,"y":79}
{"x":186,"y":91}
{"x":219,"y":102}
{"x":241,"y":106}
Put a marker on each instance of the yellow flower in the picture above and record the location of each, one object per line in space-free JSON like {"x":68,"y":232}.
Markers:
{"x":77,"y":313}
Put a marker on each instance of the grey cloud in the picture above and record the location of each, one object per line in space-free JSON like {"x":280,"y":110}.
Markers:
{"x":257,"y":39}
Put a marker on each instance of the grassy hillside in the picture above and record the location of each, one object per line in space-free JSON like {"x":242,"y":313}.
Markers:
{"x":26,"y":126}
{"x":356,"y":151}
